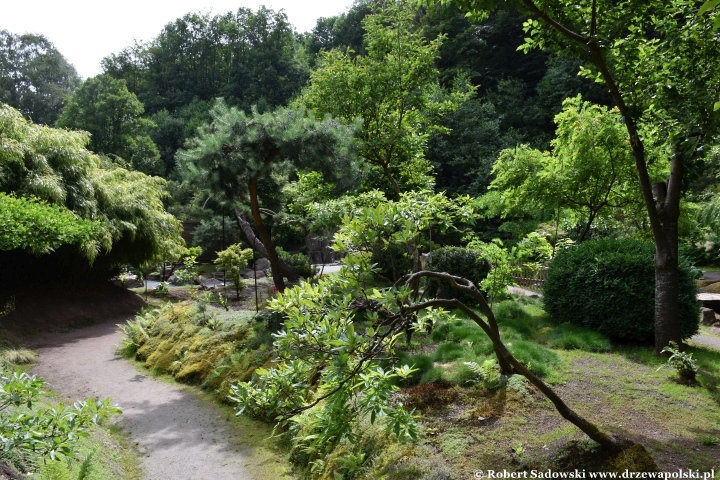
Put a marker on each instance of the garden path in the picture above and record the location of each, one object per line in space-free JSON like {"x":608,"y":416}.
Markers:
{"x":711,"y":340}
{"x":179,"y":434}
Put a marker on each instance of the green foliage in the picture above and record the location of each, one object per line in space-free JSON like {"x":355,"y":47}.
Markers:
{"x":244,"y":159}
{"x":299,"y":262}
{"x":588,"y":176}
{"x":265,"y":145}
{"x":247,"y":57}
{"x":49,"y":431}
{"x":161,"y":288}
{"x":419,"y":364}
{"x":505,"y":263}
{"x":608,"y":286}
{"x":327,"y":365}
{"x":54,"y":166}
{"x":458,"y":261}
{"x":232,"y":260}
{"x":567,"y":336}
{"x":103,"y":107}
{"x":538,"y":359}
{"x":683,"y":363}
{"x":198,"y":343}
{"x":447,"y":352}
{"x":393,"y":87}
{"x":34,"y":77}
{"x":485,"y":373}
{"x":394,"y":232}
{"x":39,"y":228}
{"x":511,"y":316}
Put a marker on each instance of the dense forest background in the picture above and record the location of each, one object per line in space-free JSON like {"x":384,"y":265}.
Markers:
{"x":153,"y":96}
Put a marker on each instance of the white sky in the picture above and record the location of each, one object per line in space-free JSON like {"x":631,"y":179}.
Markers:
{"x":85,"y":31}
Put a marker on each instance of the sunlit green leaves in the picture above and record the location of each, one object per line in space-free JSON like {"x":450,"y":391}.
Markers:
{"x":36,"y":227}
{"x":48,"y":430}
{"x":588,"y":176}
{"x":394,"y":89}
{"x":54,"y":166}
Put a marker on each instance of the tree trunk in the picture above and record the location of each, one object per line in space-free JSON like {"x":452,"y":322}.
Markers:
{"x":265,"y":237}
{"x":667,"y":271}
{"x":663,"y":213}
{"x":258,"y":246}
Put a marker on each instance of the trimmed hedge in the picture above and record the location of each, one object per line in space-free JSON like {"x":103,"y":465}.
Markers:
{"x":609,"y":286}
{"x":461,"y":262}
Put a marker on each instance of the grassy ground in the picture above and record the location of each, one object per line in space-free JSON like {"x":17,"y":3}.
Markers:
{"x":470,"y":418}
{"x":475,"y":428}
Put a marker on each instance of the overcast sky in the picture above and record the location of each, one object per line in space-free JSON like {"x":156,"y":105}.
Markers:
{"x":86,"y":31}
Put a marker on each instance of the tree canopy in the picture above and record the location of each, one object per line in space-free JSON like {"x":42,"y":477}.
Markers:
{"x":239,"y":159}
{"x":127,"y":218}
{"x":34,"y":77}
{"x":394,"y":89}
{"x":248,"y":58}
{"x":658,"y":61}
{"x":588,"y":175}
{"x":112,"y":115}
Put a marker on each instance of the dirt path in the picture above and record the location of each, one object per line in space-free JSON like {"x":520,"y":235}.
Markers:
{"x":710,"y":341}
{"x":179,"y":434}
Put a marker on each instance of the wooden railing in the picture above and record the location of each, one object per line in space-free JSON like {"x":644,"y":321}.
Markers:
{"x":530,"y":276}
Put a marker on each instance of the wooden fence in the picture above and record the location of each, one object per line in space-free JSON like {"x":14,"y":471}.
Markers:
{"x":530,"y":276}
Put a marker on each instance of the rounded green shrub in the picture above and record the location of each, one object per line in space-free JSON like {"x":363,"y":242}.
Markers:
{"x":609,"y":286}
{"x":458,"y":261}
{"x":447,"y":352}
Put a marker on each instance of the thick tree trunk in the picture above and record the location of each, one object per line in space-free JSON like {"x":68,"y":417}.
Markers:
{"x":258,"y":246}
{"x":667,"y":305}
{"x":662,"y":212}
{"x":667,"y":272}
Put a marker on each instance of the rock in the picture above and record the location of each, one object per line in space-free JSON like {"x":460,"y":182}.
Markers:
{"x":707,"y":316}
{"x":128,"y":280}
{"x":716,"y":324}
{"x":247,"y":273}
{"x":262,"y":264}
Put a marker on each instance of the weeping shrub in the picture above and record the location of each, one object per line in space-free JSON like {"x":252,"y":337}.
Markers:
{"x":609,"y":286}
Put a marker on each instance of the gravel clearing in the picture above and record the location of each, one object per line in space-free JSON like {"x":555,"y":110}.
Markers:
{"x":179,"y":434}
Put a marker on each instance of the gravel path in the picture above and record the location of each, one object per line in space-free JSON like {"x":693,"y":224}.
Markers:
{"x":710,"y":341}
{"x":179,"y":434}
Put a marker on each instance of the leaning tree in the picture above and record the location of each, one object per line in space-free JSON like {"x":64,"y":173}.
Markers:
{"x":240,"y":159}
{"x":658,"y":59}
